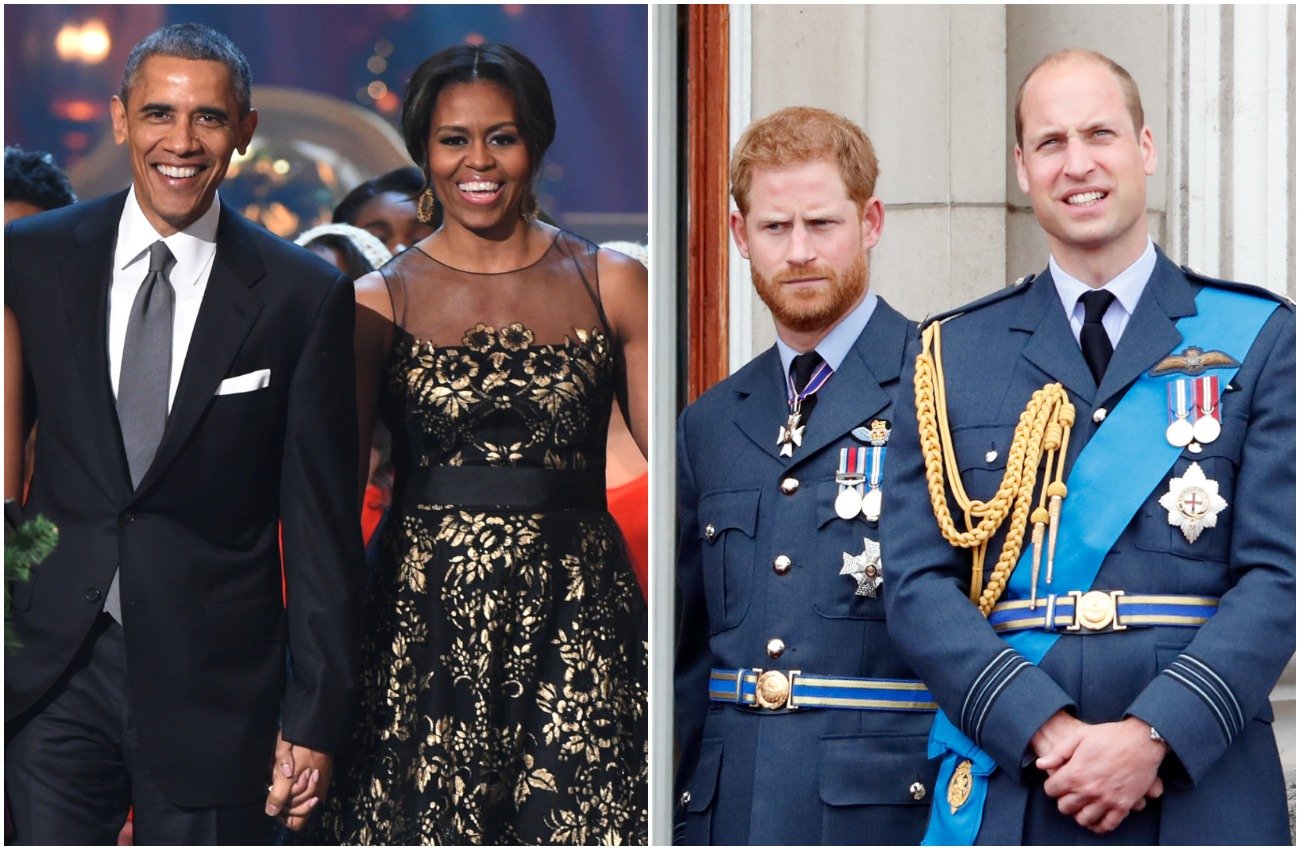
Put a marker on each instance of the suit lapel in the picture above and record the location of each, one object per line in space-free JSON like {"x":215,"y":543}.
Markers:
{"x":1150,"y":333}
{"x":854,"y":393}
{"x":86,"y":274}
{"x":762,"y":408}
{"x":226,"y":315}
{"x":1052,"y":346}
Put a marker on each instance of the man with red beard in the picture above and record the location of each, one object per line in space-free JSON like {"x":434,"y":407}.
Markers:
{"x":797,"y":721}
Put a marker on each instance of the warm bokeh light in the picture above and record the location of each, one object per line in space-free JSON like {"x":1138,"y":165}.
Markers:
{"x":388,"y":103}
{"x":475,"y":39}
{"x":75,"y":140}
{"x":377,"y":89}
{"x":88,"y":43}
{"x":376,"y":64}
{"x":79,"y":110}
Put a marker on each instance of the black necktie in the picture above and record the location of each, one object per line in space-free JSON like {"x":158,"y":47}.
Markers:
{"x":801,"y":371}
{"x":1092,"y":337}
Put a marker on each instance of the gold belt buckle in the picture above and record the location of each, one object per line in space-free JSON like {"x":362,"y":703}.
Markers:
{"x":1096,"y":611}
{"x":772,"y":689}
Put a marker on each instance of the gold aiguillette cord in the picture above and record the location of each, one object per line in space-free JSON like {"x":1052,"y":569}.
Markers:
{"x":1043,"y":432}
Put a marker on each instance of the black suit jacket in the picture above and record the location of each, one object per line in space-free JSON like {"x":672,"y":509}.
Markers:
{"x":216,"y":659}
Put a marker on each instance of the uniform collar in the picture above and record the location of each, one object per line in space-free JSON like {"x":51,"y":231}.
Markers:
{"x":192,"y":247}
{"x":835,"y":346}
{"x":1126,"y":286}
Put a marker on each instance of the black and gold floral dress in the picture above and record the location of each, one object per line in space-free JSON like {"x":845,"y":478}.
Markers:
{"x":503,"y":692}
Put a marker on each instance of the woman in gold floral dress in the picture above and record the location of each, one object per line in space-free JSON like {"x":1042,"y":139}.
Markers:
{"x":503,"y":695}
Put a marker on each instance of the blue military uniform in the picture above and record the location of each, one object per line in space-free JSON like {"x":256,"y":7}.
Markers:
{"x":760,"y":563}
{"x":1204,"y":688}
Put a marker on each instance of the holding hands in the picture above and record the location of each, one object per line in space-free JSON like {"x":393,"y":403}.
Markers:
{"x":299,"y":779}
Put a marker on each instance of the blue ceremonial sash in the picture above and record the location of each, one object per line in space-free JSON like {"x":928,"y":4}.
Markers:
{"x":1112,"y":477}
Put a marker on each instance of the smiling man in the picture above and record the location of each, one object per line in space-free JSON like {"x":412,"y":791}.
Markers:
{"x":1107,"y":597}
{"x":179,"y":361}
{"x":798,"y":721}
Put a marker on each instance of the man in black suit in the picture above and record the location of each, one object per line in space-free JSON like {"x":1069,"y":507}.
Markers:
{"x":192,"y":377}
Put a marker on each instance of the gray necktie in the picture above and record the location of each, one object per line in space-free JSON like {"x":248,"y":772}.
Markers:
{"x":144,"y":381}
{"x":145,"y":376}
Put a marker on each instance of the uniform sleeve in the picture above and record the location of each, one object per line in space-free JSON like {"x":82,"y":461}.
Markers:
{"x":321,"y":529}
{"x":985,"y":687}
{"x":691,"y":679}
{"x":1202,"y":700}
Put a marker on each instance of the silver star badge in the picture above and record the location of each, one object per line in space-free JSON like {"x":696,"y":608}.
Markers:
{"x":1193,"y":502}
{"x":865,"y":569}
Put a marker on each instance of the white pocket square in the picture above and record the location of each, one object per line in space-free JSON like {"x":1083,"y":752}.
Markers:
{"x":258,"y":380}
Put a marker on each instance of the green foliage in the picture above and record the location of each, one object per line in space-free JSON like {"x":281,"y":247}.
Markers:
{"x":25,"y":547}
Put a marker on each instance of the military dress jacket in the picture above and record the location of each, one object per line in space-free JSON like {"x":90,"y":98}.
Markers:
{"x":761,"y":551}
{"x":1206,"y":690}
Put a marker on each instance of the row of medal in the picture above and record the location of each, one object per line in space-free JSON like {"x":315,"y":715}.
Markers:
{"x":1194,"y":412}
{"x":1195,"y":420}
{"x":859,"y":474}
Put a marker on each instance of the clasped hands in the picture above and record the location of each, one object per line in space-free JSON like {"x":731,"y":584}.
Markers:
{"x":1098,"y":773}
{"x":299,"y":779}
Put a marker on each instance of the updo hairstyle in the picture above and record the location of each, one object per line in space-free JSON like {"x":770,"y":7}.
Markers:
{"x":466,"y":63}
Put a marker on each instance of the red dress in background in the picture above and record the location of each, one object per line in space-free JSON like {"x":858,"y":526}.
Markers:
{"x":627,"y":504}
{"x":372,"y":509}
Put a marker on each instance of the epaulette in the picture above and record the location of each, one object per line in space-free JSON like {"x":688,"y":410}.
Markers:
{"x":1021,"y":284}
{"x":1236,"y":286}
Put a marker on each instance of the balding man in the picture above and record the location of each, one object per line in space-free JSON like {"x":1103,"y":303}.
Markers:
{"x":1103,"y":595}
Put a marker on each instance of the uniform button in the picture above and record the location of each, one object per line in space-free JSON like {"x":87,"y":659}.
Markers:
{"x":775,"y":647}
{"x":789,"y":486}
{"x":1099,"y":415}
{"x":991,"y":455}
{"x":686,"y":797}
{"x":710,"y":532}
{"x":918,"y":791}
{"x":92,"y":594}
{"x":781,"y":564}
{"x":128,"y":517}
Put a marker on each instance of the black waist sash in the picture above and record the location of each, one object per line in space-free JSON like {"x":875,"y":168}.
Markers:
{"x":526,"y":488}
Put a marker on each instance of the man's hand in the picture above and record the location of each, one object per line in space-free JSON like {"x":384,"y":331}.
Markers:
{"x":1057,"y":738}
{"x":300,"y":778}
{"x":1104,"y":773}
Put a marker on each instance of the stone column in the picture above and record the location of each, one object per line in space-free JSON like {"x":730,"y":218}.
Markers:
{"x":1232,"y":178}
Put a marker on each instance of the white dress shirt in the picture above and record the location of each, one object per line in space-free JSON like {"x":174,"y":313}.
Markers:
{"x":194,"y":249}
{"x":1126,"y":286}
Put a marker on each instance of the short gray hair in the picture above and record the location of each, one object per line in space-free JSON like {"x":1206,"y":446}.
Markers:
{"x":192,"y":41}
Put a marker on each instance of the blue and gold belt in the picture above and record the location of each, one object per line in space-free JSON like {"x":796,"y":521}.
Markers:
{"x":1097,"y":611}
{"x":792,"y":689}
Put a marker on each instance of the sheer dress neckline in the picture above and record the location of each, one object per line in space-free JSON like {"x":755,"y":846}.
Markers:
{"x":555,"y":240}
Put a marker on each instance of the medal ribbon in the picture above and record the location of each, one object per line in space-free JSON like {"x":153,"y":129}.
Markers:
{"x":877,"y":466}
{"x":820,"y":377}
{"x":1207,"y":396}
{"x":1112,"y":477}
{"x":852,"y":463}
{"x":1176,"y":399}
